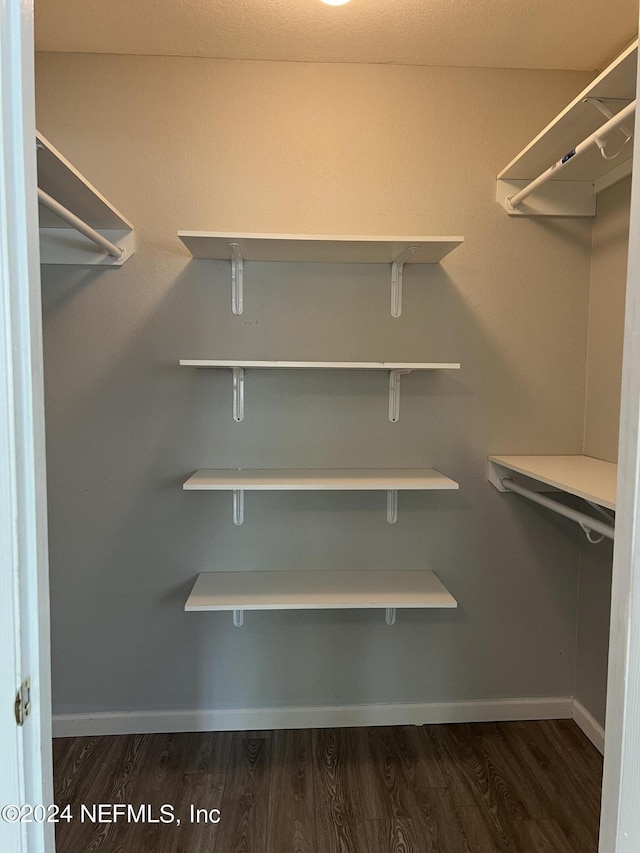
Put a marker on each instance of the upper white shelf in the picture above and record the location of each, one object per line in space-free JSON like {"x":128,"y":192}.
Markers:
{"x":318,"y":590}
{"x":59,"y":242}
{"x":313,"y":248}
{"x":318,"y":479}
{"x":582,"y":476}
{"x":591,"y":173}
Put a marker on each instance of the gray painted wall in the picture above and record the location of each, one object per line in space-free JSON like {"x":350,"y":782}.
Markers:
{"x":203,"y":144}
{"x":604,"y":375}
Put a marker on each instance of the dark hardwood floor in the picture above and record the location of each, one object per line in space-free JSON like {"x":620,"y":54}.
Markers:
{"x":481,"y":788}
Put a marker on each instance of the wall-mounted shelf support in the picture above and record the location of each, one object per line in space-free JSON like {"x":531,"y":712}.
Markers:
{"x":394,"y":394}
{"x":237,"y":278}
{"x":238,"y":506}
{"x":606,"y":112}
{"x":396,"y":369}
{"x":238,"y":393}
{"x":397,"y":269}
{"x":392,"y":506}
{"x":389,"y":617}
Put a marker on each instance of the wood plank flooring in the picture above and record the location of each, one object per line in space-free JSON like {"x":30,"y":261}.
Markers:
{"x":529,"y":787}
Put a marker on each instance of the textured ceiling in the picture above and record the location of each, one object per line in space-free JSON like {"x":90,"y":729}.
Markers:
{"x":570,"y":34}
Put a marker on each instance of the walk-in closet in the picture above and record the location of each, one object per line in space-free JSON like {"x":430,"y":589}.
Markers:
{"x":333,"y":322}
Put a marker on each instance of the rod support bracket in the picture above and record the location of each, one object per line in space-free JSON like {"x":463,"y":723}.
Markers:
{"x":238,"y":618}
{"x":238,"y":393}
{"x":390,"y":615}
{"x":237,"y":278}
{"x":392,"y":506}
{"x":397,"y":268}
{"x":394,"y":394}
{"x":238,"y":506}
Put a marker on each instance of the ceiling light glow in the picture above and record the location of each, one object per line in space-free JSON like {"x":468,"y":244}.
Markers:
{"x":335,"y":2}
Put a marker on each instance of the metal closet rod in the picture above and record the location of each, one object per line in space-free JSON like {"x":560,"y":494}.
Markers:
{"x":599,"y":138}
{"x":585,"y":521}
{"x":79,"y":224}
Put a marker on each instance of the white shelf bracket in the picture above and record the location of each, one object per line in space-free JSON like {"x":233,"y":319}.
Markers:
{"x":394,"y":394}
{"x":238,"y":618}
{"x":392,"y":506}
{"x":390,"y":615}
{"x":238,"y":506}
{"x":606,"y":112}
{"x":237,"y":278}
{"x":238,"y":393}
{"x":397,"y":268}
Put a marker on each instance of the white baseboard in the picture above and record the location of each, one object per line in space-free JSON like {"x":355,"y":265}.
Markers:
{"x":240,"y":719}
{"x":589,"y":725}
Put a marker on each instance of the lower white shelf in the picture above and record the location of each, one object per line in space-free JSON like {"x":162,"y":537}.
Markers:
{"x":318,"y":590}
{"x":318,"y":479}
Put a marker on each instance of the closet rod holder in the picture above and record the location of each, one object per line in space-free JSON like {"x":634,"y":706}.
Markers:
{"x":598,"y":138}
{"x":586,"y":522}
{"x":80,"y":225}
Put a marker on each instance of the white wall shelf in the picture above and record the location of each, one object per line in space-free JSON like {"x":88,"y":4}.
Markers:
{"x":583,"y":476}
{"x":61,"y":243}
{"x":309,"y":248}
{"x":390,"y":480}
{"x":395,"y":369}
{"x":317,"y":590}
{"x":590,"y":479}
{"x":573,"y":192}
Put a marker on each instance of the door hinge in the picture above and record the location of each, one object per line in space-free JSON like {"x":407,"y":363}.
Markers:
{"x":23,"y":702}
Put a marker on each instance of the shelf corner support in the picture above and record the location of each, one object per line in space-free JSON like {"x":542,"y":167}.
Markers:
{"x":390,"y":615}
{"x":392,"y":506}
{"x":397,"y":268}
{"x":237,"y":278}
{"x":238,"y":618}
{"x":238,"y":506}
{"x":394,"y":394}
{"x":238,"y":393}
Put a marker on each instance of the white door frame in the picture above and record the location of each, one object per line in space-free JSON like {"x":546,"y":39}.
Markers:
{"x":26,"y":771}
{"x":620,"y":819}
